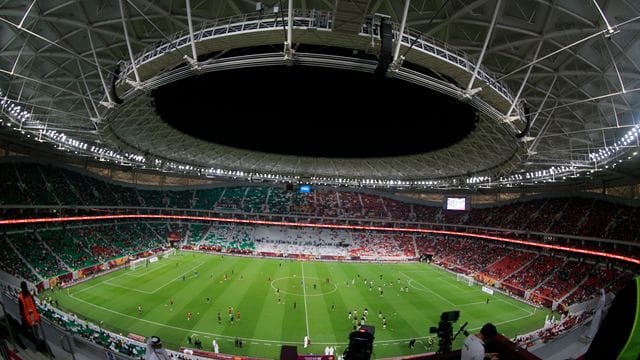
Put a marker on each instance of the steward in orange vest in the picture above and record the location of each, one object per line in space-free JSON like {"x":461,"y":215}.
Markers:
{"x":28,"y":310}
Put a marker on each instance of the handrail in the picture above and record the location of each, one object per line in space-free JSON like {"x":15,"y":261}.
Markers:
{"x":452,"y":55}
{"x":229,"y":25}
{"x":4,"y":351}
{"x":70,"y":351}
{"x":306,"y":19}
{"x":47,"y":350}
{"x":6,"y":320}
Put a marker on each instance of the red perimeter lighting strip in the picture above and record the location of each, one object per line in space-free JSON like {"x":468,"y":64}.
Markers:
{"x":329,"y":226}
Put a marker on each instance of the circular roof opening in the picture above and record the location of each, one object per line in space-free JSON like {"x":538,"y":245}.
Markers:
{"x":314,"y":112}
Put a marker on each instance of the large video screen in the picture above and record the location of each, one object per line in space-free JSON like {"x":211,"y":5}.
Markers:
{"x":305,"y":188}
{"x":456,"y":203}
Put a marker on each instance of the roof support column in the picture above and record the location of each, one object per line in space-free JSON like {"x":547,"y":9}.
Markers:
{"x":611,"y":30}
{"x":613,"y":62}
{"x":86,"y":87}
{"x":52,"y":43}
{"x":15,"y":64}
{"x":536,"y":141}
{"x":546,"y":96}
{"x":484,"y":47}
{"x":524,"y":82}
{"x":586,"y":38}
{"x":26,"y":14}
{"x":110,"y":102}
{"x":126,"y":38}
{"x":288,"y":52}
{"x":397,"y":60}
{"x":41,"y":82}
{"x":193,"y":61}
{"x":532,"y":149}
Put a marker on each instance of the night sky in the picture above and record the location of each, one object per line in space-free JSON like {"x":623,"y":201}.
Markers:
{"x":311,"y":111}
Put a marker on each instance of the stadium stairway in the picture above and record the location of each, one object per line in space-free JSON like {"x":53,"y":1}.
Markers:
{"x":567,"y":346}
{"x":573,"y":289}
{"x":15,"y":345}
{"x":549,"y":276}
{"x":61,"y":343}
{"x":520,"y":268}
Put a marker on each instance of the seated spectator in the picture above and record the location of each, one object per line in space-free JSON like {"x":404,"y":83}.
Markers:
{"x":155,"y":351}
{"x":474,"y":345}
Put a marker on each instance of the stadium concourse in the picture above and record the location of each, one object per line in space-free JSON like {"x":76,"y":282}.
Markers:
{"x":168,"y":166}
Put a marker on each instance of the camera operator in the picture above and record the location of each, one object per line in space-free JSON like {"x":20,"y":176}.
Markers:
{"x":473,"y":347}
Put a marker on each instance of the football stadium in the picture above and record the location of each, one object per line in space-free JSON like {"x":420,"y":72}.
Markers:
{"x":319,"y":179}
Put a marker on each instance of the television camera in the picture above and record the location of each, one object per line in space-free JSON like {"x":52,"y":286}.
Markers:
{"x":360,"y":343}
{"x":445,"y":331}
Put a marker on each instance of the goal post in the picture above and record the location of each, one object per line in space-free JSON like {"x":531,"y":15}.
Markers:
{"x":466,"y":278}
{"x":134,"y":264}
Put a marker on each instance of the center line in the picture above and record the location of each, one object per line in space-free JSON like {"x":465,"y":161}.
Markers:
{"x":304,"y":292}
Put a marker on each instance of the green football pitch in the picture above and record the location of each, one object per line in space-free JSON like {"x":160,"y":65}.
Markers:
{"x":282,"y":300}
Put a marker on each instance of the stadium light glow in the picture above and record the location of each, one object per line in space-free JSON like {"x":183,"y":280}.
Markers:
{"x":618,"y":147}
{"x":324,"y":226}
{"x":64,"y":142}
{"x":550,"y":174}
{"x":17,"y":115}
{"x":12,"y":109}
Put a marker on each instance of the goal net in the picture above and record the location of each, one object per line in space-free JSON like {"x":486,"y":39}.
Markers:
{"x":466,"y":278}
{"x":170,"y":252}
{"x":134,"y":264}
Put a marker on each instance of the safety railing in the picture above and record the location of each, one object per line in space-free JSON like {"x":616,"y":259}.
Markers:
{"x":445,"y":52}
{"x":232,"y":25}
{"x":306,"y":19}
{"x":12,"y":338}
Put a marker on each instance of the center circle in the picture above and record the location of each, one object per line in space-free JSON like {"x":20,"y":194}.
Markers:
{"x":310,"y":286}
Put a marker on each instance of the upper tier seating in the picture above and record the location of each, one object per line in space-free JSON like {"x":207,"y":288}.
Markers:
{"x":23,"y":183}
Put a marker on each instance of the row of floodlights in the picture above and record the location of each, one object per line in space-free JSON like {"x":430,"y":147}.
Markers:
{"x":174,"y":166}
{"x":620,"y":145}
{"x":67,"y":143}
{"x":478,"y":179}
{"x":374,"y":182}
{"x":64,"y":141}
{"x":13,"y":109}
{"x":551,"y":172}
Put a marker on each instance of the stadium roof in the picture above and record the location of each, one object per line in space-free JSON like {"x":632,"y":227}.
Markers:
{"x":555,"y":84}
